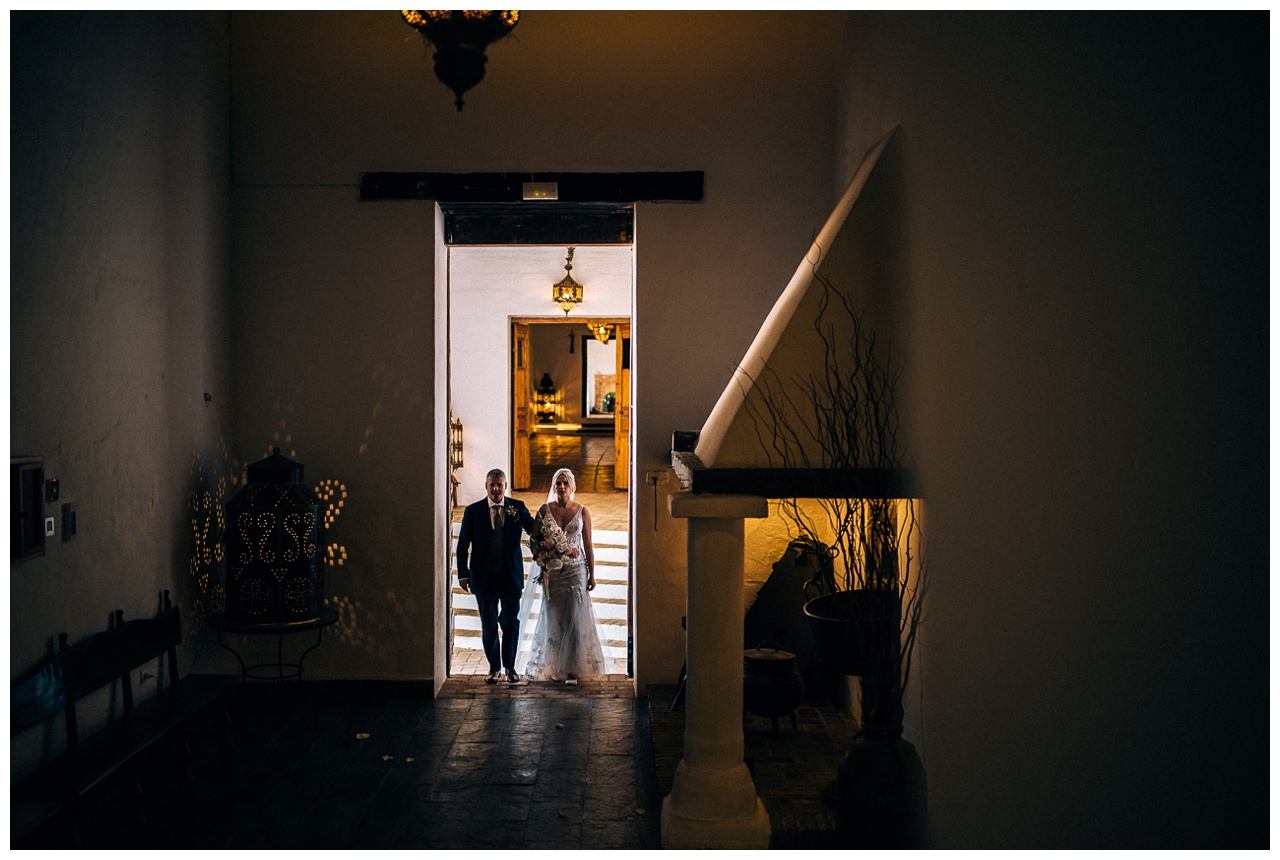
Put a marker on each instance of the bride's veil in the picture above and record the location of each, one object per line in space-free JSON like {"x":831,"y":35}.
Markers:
{"x":528,"y":618}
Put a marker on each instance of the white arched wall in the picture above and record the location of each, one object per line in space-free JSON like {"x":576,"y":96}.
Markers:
{"x":488,"y":286}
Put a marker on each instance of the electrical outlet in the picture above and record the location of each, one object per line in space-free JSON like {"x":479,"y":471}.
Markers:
{"x":48,"y":526}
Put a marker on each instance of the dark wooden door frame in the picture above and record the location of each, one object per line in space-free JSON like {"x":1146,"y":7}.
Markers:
{"x":508,"y":187}
{"x":490,"y":209}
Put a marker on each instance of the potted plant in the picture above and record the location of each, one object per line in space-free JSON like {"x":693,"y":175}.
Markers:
{"x":838,"y":423}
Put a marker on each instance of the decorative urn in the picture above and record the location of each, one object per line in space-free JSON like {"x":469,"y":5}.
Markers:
{"x":274,"y":569}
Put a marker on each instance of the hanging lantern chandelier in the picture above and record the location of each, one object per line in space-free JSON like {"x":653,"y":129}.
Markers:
{"x":460,"y":39}
{"x":567,"y":292}
{"x":602,"y":331}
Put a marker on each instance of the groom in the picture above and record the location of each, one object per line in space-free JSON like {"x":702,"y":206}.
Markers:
{"x":491,"y":534}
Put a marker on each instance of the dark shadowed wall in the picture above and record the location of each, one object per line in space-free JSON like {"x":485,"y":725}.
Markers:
{"x":119,"y":317}
{"x":1084,"y":247}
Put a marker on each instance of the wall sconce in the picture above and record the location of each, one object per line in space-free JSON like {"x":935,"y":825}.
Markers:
{"x":546,"y":400}
{"x":460,"y":39}
{"x":567,"y":292}
{"x":455,"y":455}
{"x":455,"y":443}
{"x":603,"y":332}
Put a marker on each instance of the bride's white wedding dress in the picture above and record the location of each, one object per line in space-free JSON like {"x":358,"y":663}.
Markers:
{"x":566,"y":639}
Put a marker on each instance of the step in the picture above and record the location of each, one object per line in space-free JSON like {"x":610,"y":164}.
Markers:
{"x":614,"y":643}
{"x":608,"y":600}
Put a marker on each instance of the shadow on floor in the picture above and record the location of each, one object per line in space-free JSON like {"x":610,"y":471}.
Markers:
{"x":370,"y":769}
{"x":378,"y":766}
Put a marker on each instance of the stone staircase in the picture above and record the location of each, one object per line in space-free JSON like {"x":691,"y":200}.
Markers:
{"x":609,"y":600}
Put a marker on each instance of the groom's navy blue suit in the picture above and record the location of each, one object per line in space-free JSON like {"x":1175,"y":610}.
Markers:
{"x":491,"y":560}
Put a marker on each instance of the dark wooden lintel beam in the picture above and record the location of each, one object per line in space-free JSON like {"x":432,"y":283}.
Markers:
{"x":685,"y":185}
{"x":793,"y":483}
{"x":538,"y":225}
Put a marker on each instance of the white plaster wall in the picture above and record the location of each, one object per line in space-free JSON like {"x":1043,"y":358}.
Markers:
{"x":118,"y":321}
{"x":1084,"y":252}
{"x":488,"y":286}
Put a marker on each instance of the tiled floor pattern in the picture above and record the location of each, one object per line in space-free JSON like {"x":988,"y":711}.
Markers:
{"x":590,"y":456}
{"x":400,"y":772}
{"x":347,"y":766}
{"x":474,"y":687}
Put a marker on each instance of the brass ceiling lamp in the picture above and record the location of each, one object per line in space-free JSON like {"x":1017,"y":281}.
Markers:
{"x":460,"y":39}
{"x":603,"y":331}
{"x":567,"y":292}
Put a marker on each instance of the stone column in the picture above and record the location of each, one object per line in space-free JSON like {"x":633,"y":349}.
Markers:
{"x":713,"y":801}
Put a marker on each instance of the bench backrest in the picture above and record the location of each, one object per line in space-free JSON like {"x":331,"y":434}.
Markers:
{"x":88,"y":666}
{"x":43,"y":694}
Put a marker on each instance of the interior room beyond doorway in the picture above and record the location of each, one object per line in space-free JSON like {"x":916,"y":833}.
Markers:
{"x":506,"y":339}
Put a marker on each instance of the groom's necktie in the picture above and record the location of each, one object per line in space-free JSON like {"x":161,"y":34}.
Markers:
{"x":495,"y":513}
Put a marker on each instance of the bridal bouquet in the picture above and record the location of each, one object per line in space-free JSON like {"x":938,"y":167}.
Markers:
{"x":550,"y":546}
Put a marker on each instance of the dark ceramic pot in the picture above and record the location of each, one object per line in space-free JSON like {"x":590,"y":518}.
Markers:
{"x":856,"y":631}
{"x":771,"y":685}
{"x":881,"y":796}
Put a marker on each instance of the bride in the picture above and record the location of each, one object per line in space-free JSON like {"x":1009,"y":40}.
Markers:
{"x":566,"y":643}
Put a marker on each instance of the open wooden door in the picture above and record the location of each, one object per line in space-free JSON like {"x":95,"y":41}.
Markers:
{"x":519,"y":406}
{"x":622,"y":410}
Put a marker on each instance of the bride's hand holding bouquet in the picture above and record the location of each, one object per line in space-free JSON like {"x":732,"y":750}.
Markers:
{"x":550,"y":546}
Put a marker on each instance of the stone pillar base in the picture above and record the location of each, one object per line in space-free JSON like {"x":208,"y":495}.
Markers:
{"x":749,"y":832}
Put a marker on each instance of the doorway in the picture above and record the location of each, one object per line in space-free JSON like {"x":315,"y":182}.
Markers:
{"x":581,"y":390}
{"x":526,"y":401}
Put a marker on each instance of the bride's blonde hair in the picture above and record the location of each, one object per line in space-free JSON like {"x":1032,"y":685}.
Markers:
{"x":573,"y":484}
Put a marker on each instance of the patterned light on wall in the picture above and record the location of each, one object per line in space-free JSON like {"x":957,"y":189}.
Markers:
{"x":274,"y":569}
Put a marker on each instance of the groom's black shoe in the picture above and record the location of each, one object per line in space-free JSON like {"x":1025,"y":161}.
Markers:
{"x":491,"y":678}
{"x":513,"y":677}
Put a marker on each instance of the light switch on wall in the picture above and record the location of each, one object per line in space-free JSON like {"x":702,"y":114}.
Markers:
{"x":48,"y":526}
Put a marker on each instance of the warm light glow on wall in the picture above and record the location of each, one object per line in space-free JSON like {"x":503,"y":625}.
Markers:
{"x":772,"y":542}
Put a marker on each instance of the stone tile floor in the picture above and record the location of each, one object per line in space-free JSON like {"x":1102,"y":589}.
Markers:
{"x":537,"y":766}
{"x":505,"y":770}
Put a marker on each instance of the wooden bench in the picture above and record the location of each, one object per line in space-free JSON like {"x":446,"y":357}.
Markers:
{"x":77,"y":671}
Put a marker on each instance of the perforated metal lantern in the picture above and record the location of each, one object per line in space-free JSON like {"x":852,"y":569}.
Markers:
{"x":274,"y":527}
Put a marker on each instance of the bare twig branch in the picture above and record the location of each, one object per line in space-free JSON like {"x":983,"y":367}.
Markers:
{"x":844,"y":416}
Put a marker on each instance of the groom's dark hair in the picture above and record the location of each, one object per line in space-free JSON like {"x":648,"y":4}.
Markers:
{"x":496,"y":473}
